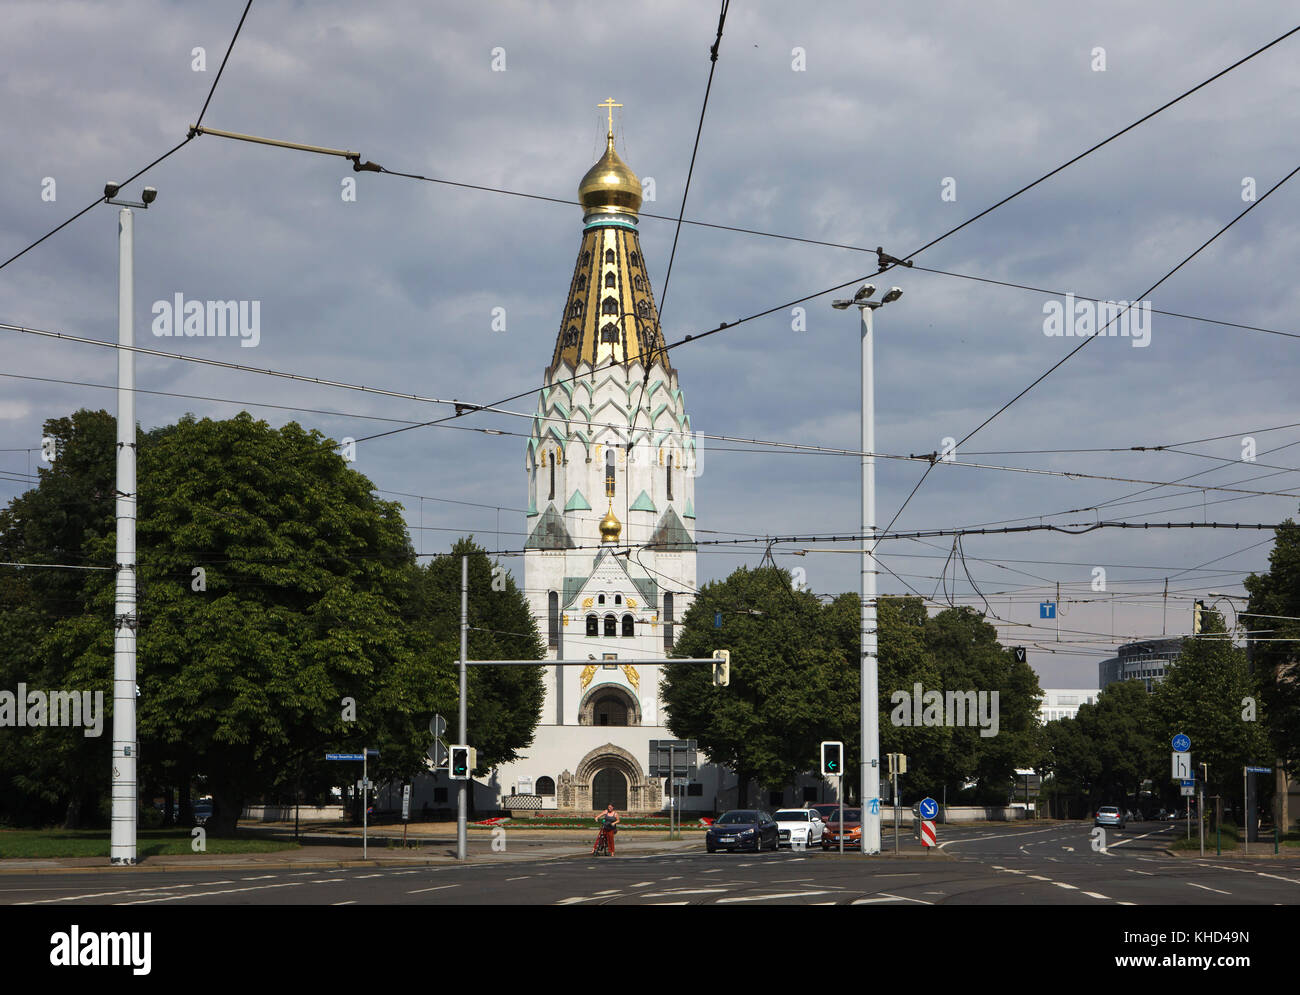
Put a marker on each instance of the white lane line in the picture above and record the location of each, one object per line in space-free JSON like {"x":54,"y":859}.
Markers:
{"x":976,"y":839}
{"x":206,"y":894}
{"x":909,"y":874}
{"x":398,"y":874}
{"x":211,"y":884}
{"x":362,"y":877}
{"x":1062,"y":884}
{"x":441,"y":887}
{"x":350,"y":901}
{"x":105,"y":894}
{"x":864,"y":901}
{"x":524,"y":877}
{"x":328,"y":880}
{"x":904,"y":898}
{"x":770,"y":897}
{"x":1207,"y":888}
{"x":1039,"y":877}
{"x":258,"y":877}
{"x":644,"y":884}
{"x":682,"y":891}
{"x":1093,"y":894}
{"x":1134,"y":870}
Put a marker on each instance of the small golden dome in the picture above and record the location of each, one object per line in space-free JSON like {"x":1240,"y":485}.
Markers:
{"x":609,"y":186}
{"x":610,"y":527}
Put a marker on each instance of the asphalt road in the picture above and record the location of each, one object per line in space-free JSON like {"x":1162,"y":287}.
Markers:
{"x":1003,"y":865}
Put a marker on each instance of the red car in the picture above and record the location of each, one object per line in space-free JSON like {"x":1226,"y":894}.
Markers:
{"x":852,"y":830}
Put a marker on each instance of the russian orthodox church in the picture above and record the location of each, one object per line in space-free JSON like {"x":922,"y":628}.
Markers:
{"x":609,"y":567}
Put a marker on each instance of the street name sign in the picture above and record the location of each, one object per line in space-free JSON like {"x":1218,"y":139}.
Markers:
{"x":343,"y":756}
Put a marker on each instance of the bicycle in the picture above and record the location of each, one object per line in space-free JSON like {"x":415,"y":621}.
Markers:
{"x":601,"y":849}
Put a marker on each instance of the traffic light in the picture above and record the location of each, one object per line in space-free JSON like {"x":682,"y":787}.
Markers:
{"x":722,"y":669}
{"x":463,"y":761}
{"x":832,"y":759}
{"x":898,"y":763}
{"x":1198,"y":609}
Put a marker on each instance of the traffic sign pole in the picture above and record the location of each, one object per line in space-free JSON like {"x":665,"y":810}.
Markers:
{"x":464,"y":732}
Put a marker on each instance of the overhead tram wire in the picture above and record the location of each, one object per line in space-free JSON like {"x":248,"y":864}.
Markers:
{"x":136,"y":175}
{"x":1088,"y":341}
{"x":886,"y":261}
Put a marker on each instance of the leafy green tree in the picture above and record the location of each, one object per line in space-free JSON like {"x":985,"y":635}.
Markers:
{"x":1273,"y":625}
{"x":1208,"y":694}
{"x":55,"y":773}
{"x":790,"y":684}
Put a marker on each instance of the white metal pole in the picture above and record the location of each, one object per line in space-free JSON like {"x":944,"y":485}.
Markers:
{"x":464,"y":731}
{"x":365,"y":800}
{"x":870,"y":712}
{"x":125,"y":802}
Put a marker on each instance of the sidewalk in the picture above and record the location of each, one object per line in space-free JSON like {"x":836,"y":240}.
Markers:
{"x":519,"y":845}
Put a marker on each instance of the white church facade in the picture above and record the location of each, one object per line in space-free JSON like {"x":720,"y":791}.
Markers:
{"x":609,"y":567}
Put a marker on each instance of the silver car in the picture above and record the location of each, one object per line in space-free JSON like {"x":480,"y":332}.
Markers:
{"x":1109,"y":815}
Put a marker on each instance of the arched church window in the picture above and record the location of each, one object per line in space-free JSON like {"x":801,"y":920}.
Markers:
{"x":629,"y":627}
{"x":600,"y":599}
{"x":618,"y":599}
{"x":609,"y":255}
{"x":638,"y":282}
{"x":546,"y":785}
{"x":592,"y":625}
{"x":609,"y":472}
{"x":553,"y":615}
{"x":611,"y":625}
{"x":551,"y":496}
{"x":575,"y":309}
{"x":609,"y":332}
{"x":610,"y":281}
{"x":571,"y":337}
{"x":634,"y":259}
{"x":609,"y":305}
{"x":668,"y":621}
{"x":586,"y":258}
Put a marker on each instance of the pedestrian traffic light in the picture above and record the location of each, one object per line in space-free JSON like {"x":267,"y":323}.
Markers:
{"x":832,"y":759}
{"x":722,"y":669}
{"x":1198,"y":609}
{"x":463,"y":761}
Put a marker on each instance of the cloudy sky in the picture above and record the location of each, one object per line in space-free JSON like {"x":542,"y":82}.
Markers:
{"x":827,"y":122}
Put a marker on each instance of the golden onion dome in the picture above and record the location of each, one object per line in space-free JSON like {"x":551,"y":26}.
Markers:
{"x":609,"y":186}
{"x":610,"y":527}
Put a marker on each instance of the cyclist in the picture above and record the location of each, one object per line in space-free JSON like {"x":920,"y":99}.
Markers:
{"x":608,"y":827}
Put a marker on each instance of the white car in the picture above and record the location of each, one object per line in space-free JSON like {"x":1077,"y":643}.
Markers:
{"x":799,"y":828}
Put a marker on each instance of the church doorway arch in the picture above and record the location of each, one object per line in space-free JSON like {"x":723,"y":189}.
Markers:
{"x":609,"y":787}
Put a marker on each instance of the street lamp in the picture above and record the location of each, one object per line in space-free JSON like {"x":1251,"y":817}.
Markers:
{"x":125,"y":787}
{"x":869,"y":718}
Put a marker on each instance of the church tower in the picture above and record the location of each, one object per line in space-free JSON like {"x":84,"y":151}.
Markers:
{"x":609,"y":567}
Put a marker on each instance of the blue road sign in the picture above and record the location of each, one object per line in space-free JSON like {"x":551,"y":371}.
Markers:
{"x":717,"y":620}
{"x":1259,"y":770}
{"x":929,"y":808}
{"x":1181,"y":743}
{"x":343,"y":756}
{"x":1187,"y":784}
{"x":1047,"y":609}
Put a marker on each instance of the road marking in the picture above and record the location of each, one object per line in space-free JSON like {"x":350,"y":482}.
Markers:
{"x":362,"y":877}
{"x":259,"y":877}
{"x":328,"y":880}
{"x":206,"y":894}
{"x":1039,"y":877}
{"x":105,"y":894}
{"x":1134,"y":870}
{"x":441,"y":887}
{"x":524,"y":877}
{"x":350,"y":901}
{"x":1093,"y":894}
{"x":1207,"y":888}
{"x":771,"y":897}
{"x":1068,"y":849}
{"x":1062,"y":884}
{"x":646,"y":884}
{"x":909,"y":874}
{"x":976,"y":839}
{"x":683,"y":891}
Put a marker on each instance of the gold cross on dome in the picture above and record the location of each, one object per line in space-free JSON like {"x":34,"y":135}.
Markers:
{"x":609,"y":105}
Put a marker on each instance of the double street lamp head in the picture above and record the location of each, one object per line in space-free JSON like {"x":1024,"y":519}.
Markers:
{"x":113,"y":188}
{"x":862,"y":298}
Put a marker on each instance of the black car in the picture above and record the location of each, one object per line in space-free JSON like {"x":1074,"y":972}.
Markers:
{"x":742,"y":829}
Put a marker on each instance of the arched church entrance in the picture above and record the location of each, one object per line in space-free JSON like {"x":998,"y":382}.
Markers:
{"x":609,"y":787}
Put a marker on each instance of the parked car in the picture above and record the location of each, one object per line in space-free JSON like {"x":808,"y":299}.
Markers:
{"x":1109,"y":815}
{"x":828,"y":812}
{"x":852,"y":831}
{"x":742,"y":829}
{"x":800,"y":827}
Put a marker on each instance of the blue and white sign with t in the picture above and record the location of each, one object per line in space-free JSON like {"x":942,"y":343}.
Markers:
{"x":1047,"y":609}
{"x":1181,"y":743}
{"x":928,"y":808}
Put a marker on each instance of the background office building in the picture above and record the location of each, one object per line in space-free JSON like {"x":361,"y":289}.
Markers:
{"x":1147,"y":661}
{"x":1063,"y":703}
